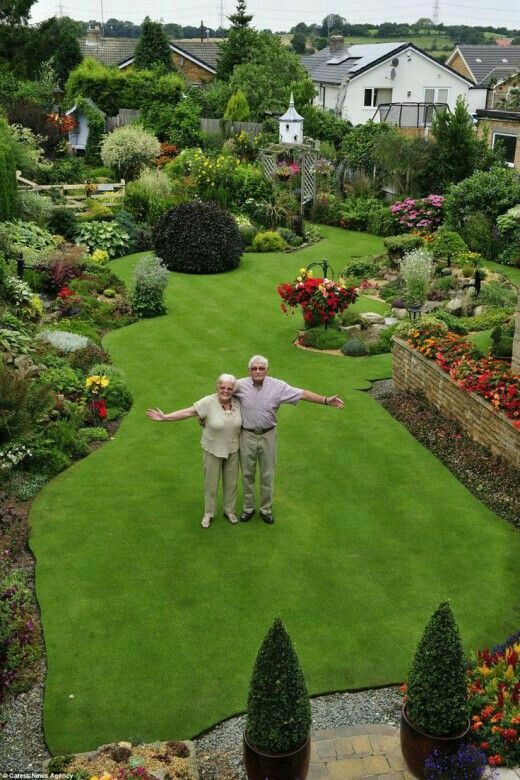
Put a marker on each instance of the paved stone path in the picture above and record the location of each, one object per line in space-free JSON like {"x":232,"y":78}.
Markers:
{"x":369,"y":752}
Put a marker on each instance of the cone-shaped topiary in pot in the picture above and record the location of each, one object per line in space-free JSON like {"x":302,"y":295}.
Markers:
{"x":278,"y":708}
{"x":437,"y":694}
{"x":198,"y":238}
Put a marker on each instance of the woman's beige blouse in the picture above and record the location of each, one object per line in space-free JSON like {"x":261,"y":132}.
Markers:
{"x":221,"y":433}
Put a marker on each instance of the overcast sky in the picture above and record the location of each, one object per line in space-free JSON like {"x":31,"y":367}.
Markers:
{"x":276,"y":15}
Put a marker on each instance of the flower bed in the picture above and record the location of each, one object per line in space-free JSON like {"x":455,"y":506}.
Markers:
{"x":423,"y":214}
{"x":492,"y":379}
{"x":494,"y":698}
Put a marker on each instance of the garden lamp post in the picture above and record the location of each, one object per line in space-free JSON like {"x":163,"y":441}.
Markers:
{"x":58,"y":94}
{"x":325,"y":267}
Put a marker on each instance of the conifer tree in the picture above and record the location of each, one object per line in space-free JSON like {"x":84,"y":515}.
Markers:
{"x":153,"y":47}
{"x":237,"y":109}
{"x":239,"y":45}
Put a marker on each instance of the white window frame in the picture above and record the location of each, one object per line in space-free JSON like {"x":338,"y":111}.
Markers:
{"x":374,"y":91}
{"x":507,"y":135}
{"x":436,"y":94}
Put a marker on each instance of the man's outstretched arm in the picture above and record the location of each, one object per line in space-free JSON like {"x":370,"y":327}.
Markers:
{"x":327,"y":400}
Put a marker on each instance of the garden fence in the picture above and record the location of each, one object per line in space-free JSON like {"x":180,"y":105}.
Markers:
{"x":75,"y":195}
{"x":227,"y":128}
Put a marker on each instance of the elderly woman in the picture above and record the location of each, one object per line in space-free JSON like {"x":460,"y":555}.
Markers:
{"x":220,"y":442}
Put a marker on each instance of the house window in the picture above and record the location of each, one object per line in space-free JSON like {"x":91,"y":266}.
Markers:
{"x":508,"y":146}
{"x":375,"y":96}
{"x":436,"y":95}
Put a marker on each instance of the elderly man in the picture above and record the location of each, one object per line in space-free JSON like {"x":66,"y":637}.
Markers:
{"x":260,"y":396}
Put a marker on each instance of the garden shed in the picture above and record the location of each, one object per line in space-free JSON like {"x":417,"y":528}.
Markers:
{"x":80,"y":112}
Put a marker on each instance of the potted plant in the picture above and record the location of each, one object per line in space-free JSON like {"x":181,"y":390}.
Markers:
{"x":435,"y":711}
{"x":416,"y":270}
{"x":276,"y":737}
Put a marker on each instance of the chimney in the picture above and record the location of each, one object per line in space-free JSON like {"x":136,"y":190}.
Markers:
{"x":336,"y":43}
{"x":93,"y":36}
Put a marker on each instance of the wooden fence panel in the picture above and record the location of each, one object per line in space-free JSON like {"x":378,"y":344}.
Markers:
{"x":227,"y":128}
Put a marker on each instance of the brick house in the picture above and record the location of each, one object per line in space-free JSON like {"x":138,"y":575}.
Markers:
{"x":196,"y":60}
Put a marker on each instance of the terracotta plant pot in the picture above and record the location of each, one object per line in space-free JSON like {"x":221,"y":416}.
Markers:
{"x":278,"y":766}
{"x":416,"y":746}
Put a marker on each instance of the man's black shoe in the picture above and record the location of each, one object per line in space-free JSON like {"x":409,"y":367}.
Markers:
{"x":268,"y":518}
{"x":245,"y":516}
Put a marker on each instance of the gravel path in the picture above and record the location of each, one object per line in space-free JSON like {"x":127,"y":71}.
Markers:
{"x":22,"y":747}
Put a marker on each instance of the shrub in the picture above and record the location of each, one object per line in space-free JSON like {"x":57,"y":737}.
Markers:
{"x":321,"y":338}
{"x":63,"y":265}
{"x":63,"y":222}
{"x":398,"y":246}
{"x":392,"y":290}
{"x":83,"y":359}
{"x":150,"y":282}
{"x":501,"y":342}
{"x":104,"y":235}
{"x":23,"y":403}
{"x":96,"y":211}
{"x":486,"y":320}
{"x":508,"y":224}
{"x":354,"y":212}
{"x":422,"y":214}
{"x":198,"y":238}
{"x":489,"y":192}
{"x":278,"y":709}
{"x":237,"y":109}
{"x":70,"y":170}
{"x":8,"y":187}
{"x":99,"y":257}
{"x":510,"y":255}
{"x":349,"y":317}
{"x":447,"y":245}
{"x":64,"y":341}
{"x":35,"y":208}
{"x":363,"y":267}
{"x":248,"y":181}
{"x":26,"y":235}
{"x":93,"y":434}
{"x":61,"y":379}
{"x":268,"y":241}
{"x":118,"y":393}
{"x":147,"y":198}
{"x":128,"y":149}
{"x":381,"y":222}
{"x":290,"y":237}
{"x":478,"y":233}
{"x":354,"y":348}
{"x":495,"y":294}
{"x":327,"y":209}
{"x":416,"y":270}
{"x":19,"y":635}
{"x":384,"y":343}
{"x":436,"y":697}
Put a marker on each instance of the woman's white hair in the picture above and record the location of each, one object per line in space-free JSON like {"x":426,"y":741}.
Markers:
{"x":227,"y":378}
{"x":260,"y":359}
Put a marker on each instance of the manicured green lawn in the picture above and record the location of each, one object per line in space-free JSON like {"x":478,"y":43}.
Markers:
{"x":152,"y":624}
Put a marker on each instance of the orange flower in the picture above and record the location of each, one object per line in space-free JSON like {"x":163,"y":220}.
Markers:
{"x":477,"y":725}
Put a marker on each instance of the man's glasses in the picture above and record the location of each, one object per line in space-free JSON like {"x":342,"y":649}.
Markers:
{"x":258,"y":368}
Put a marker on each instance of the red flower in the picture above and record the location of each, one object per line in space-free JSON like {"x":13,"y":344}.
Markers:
{"x":495,"y":760}
{"x":484,"y":745}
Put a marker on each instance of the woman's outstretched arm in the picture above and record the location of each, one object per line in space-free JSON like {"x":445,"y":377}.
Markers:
{"x":181,"y":414}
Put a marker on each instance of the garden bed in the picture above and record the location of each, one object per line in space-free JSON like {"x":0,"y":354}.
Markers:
{"x":490,"y":479}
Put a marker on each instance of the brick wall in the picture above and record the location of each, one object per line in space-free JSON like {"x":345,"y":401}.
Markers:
{"x":413,"y":372}
{"x":515,"y":360}
{"x":487,"y":126}
{"x":193,"y":72}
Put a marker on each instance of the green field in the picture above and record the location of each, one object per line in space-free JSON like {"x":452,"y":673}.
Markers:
{"x":152,"y":624}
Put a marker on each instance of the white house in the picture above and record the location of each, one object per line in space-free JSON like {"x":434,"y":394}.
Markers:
{"x":352,"y":81}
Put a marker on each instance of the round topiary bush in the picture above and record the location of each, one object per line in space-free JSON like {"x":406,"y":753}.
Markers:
{"x":198,"y":238}
{"x":354,"y":348}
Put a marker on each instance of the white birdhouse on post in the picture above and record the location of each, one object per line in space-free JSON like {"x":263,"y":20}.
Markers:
{"x":291,"y":125}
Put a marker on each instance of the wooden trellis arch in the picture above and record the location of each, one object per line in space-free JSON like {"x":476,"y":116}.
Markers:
{"x":305,"y":154}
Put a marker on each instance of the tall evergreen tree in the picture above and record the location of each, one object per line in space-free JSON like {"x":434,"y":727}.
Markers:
{"x":240,"y":19}
{"x":458,"y":150}
{"x":153,"y":47}
{"x":238,"y":47}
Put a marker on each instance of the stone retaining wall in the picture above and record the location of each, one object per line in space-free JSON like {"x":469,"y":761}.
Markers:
{"x":413,"y":372}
